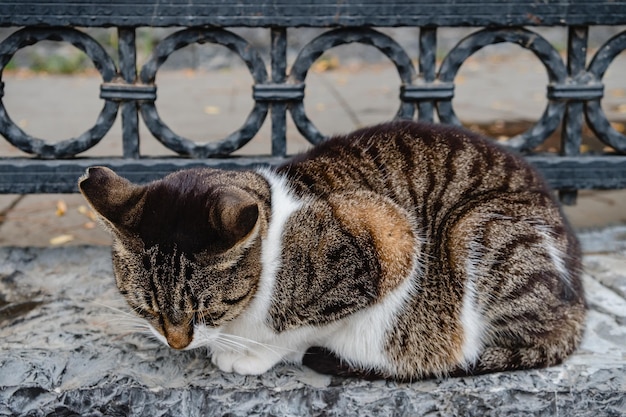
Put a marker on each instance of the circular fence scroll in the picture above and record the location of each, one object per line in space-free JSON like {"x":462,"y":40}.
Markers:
{"x":563,"y":88}
{"x":236,"y":139}
{"x":549,"y":57}
{"x":327,"y":40}
{"x":103,"y":63}
{"x":595,"y":116}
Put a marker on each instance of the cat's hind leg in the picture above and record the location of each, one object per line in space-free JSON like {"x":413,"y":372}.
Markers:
{"x":500,"y":359}
{"x":524,"y":267}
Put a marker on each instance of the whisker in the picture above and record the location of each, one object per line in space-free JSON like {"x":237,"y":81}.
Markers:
{"x":223,"y":345}
{"x":232,"y":342}
{"x":117,"y":310}
{"x":124,"y":323}
{"x":272,"y":348}
{"x":201,"y":317}
{"x":226,"y":344}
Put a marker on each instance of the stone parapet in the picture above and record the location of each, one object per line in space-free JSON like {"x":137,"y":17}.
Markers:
{"x":68,"y":346}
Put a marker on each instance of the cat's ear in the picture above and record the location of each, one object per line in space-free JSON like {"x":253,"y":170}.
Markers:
{"x":234,"y":215}
{"x":114,"y":198}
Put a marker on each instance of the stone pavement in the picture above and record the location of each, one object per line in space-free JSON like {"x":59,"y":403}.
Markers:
{"x":68,"y":346}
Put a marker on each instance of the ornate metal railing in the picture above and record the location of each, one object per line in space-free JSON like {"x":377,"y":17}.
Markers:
{"x":575,"y":88}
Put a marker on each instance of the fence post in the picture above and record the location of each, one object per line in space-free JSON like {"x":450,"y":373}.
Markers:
{"x":571,"y":134}
{"x":128,"y":68}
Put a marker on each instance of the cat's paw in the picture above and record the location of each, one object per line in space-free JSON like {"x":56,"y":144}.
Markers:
{"x":224,"y":360}
{"x":241,"y":363}
{"x":252,"y":365}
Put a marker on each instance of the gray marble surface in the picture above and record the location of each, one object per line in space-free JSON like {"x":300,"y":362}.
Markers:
{"x":68,"y":347}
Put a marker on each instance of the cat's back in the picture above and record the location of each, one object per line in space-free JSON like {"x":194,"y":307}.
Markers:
{"x":497,"y":265}
{"x":428,"y":159}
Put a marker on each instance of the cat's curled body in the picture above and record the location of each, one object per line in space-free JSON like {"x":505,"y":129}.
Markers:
{"x":403,"y":250}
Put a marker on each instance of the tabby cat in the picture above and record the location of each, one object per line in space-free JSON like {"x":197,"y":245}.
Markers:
{"x":402,"y":251}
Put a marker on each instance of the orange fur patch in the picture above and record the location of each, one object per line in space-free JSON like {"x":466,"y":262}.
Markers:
{"x":389,"y":229}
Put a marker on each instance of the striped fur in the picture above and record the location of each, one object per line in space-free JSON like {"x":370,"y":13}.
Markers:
{"x":401,"y":251}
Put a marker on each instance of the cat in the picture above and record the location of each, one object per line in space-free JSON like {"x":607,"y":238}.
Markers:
{"x":402,"y":251}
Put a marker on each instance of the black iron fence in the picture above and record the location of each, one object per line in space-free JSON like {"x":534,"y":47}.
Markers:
{"x":575,"y":89}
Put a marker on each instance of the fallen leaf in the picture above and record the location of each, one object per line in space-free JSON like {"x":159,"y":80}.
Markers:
{"x":496,"y":105}
{"x":61,"y":239}
{"x":471,"y":65}
{"x":500,"y":105}
{"x":342,"y":80}
{"x":61,"y":208}
{"x":212,"y":110}
{"x":85,"y":211}
{"x":89,"y":225}
{"x":326,"y":64}
{"x":620,"y":127}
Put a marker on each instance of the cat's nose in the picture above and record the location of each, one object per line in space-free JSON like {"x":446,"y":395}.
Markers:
{"x":177,"y":342}
{"x":178,"y":336}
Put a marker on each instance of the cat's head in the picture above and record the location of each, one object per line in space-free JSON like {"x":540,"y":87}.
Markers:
{"x":186,"y":249}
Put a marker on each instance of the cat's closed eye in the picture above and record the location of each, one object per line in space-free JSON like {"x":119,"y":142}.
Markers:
{"x":148,"y":314}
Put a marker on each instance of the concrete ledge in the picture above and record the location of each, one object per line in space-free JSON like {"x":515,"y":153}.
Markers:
{"x":65,"y":350}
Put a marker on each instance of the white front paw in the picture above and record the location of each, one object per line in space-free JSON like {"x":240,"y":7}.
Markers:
{"x":243,"y":364}
{"x":252,"y":365}
{"x":224,"y":360}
